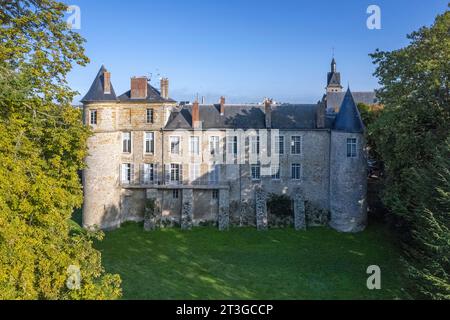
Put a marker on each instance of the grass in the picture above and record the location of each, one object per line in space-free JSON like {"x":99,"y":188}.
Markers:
{"x":246,"y":264}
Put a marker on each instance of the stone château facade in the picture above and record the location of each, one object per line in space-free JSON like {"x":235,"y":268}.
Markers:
{"x":218,"y":163}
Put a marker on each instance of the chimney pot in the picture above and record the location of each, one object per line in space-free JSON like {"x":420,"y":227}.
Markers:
{"x":139,"y":87}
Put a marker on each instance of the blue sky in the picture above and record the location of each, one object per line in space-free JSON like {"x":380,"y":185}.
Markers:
{"x":243,"y":49}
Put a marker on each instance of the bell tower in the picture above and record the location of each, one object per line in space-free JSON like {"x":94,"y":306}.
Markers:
{"x":334,"y":79}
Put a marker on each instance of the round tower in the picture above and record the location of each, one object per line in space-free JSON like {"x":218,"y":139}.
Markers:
{"x":101,"y":207}
{"x":348,"y":170}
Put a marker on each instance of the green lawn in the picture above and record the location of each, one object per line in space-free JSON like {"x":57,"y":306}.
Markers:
{"x":246,"y":264}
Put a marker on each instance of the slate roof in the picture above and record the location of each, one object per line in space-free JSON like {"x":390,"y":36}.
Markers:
{"x":96,"y":92}
{"x":334,"y":79}
{"x":335,"y":99}
{"x":284,"y":116}
{"x":153,"y":95}
{"x":348,"y":119}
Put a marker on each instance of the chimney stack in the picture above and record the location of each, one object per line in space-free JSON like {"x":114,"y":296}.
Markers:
{"x":139,"y":87}
{"x":195,"y":115}
{"x":268,"y":112}
{"x":165,"y":88}
{"x":222,"y":105}
{"x":106,"y":82}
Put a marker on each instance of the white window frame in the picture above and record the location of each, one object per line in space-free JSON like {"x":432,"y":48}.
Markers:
{"x":179,"y":144}
{"x":232,"y":143}
{"x":176,"y":194}
{"x":149,"y":174}
{"x":294,"y":142}
{"x":255,"y":146}
{"x":194,"y":172}
{"x":93,"y":117}
{"x":128,"y":147}
{"x":300,"y":169}
{"x":214,"y":145}
{"x":215,"y":195}
{"x":275,"y":171}
{"x":194,"y":145}
{"x":279,"y":141}
{"x":255,"y":171}
{"x":175,"y":170}
{"x":352,"y":147}
{"x":126,"y":173}
{"x":151,"y":142}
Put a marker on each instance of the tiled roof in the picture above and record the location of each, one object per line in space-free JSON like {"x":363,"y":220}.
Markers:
{"x":335,"y":99}
{"x":96,"y":92}
{"x":285,"y":116}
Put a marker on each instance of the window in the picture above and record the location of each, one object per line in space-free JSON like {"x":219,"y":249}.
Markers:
{"x":175,"y":145}
{"x":214,"y":174}
{"x":256,"y":171}
{"x":351,"y":148}
{"x":175,"y":193}
{"x":296,"y":171}
{"x":127,"y":173}
{"x":254,"y":144}
{"x":279,"y":144}
{"x":175,"y":173}
{"x":150,"y":118}
{"x":296,"y":145}
{"x":194,"y":145}
{"x":149,"y":173}
{"x":214,"y":145}
{"x":93,"y":117}
{"x":149,"y":142}
{"x":232,"y":145}
{"x":215,"y":194}
{"x":126,"y":142}
{"x":194,"y":172}
{"x":275,"y":172}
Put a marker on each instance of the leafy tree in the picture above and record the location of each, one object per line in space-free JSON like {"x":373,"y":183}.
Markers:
{"x":409,"y":135}
{"x":42,"y":147}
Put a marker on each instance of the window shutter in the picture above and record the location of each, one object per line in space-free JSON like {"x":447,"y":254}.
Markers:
{"x":132,"y":174}
{"x":167,"y":173}
{"x":155,"y":174}
{"x":142,"y":174}
{"x":121,"y":173}
{"x":181,"y":174}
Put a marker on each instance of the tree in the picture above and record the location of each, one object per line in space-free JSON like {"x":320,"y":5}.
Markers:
{"x":42,"y":147}
{"x":409,"y":135}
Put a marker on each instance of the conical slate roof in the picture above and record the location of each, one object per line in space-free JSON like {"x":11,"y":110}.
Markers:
{"x":348,"y":119}
{"x":96,"y":92}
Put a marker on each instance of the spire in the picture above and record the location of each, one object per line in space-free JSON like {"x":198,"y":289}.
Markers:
{"x":101,"y":88}
{"x":348,"y":119}
{"x":333,"y":65}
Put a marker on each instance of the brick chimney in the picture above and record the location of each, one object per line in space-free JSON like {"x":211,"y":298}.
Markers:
{"x":106,"y":82}
{"x":222,"y":105}
{"x":320,"y":115}
{"x":139,"y":87}
{"x":195,"y":115}
{"x":268,"y":112}
{"x":165,"y":88}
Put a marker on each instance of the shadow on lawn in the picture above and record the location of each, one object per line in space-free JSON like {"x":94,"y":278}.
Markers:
{"x":246,"y":264}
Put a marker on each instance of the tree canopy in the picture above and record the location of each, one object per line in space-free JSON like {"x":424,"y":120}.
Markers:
{"x":42,"y":148}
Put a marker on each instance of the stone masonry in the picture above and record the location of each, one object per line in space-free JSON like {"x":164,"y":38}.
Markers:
{"x":261,"y":209}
